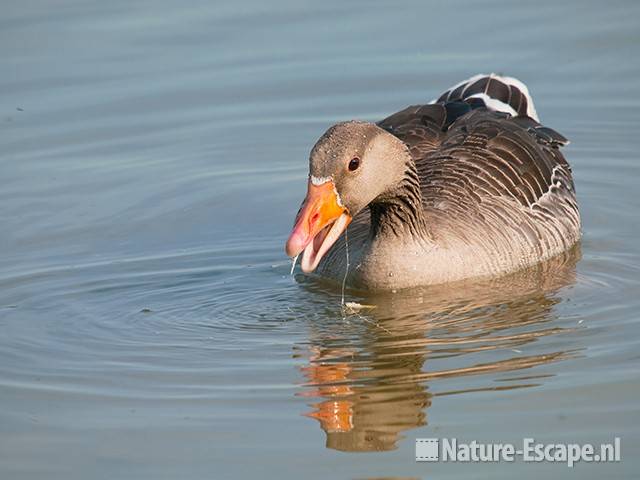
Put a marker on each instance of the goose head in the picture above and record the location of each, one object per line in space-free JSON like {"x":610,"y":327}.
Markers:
{"x":352,"y":165}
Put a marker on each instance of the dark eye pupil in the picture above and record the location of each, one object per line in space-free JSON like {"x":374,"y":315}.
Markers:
{"x":353,"y":164}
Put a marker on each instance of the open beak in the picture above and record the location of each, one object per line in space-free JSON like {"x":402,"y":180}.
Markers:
{"x":320,"y":221}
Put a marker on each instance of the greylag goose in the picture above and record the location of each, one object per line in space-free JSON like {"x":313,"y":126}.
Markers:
{"x":468,"y":185}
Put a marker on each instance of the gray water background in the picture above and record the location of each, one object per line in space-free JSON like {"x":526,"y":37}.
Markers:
{"x":153,"y":156}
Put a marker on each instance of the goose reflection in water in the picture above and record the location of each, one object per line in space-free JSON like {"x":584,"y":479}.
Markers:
{"x":367,"y":373}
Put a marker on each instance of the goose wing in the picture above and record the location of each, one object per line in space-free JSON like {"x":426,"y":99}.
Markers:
{"x":490,"y":154}
{"x":421,"y":127}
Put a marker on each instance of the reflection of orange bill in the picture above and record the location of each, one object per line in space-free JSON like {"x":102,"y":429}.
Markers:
{"x":334,"y":415}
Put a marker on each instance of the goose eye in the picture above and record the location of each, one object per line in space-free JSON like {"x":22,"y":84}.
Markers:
{"x":354,"y":164}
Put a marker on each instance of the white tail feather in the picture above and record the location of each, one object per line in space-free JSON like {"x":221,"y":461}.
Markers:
{"x":492,"y":103}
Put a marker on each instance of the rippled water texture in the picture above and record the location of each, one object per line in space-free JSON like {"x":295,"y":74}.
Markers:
{"x":153,"y":157}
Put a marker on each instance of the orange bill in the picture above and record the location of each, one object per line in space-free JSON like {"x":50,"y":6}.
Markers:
{"x":320,"y":222}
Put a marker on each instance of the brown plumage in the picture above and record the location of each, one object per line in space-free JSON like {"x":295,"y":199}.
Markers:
{"x":467,"y":186}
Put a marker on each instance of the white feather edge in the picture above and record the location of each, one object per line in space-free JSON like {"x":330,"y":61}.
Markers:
{"x":556,"y":181}
{"x":317,"y":181}
{"x":531,"y":110}
{"x":495,"y":105}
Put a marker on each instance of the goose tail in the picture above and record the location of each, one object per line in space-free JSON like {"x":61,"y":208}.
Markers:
{"x":495,"y":92}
